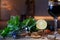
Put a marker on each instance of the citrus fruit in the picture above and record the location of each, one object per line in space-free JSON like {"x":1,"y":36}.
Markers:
{"x":41,"y":24}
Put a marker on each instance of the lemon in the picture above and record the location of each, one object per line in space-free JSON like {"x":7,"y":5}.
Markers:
{"x":41,"y":24}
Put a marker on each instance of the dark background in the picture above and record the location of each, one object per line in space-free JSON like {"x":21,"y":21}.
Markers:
{"x":19,"y":8}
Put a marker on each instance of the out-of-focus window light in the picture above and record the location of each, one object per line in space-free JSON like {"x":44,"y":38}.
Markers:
{"x":58,"y":0}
